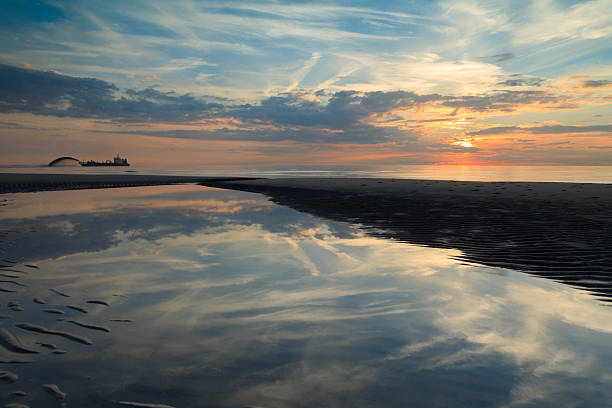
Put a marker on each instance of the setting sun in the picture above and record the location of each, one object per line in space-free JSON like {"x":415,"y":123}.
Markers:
{"x":464,"y":143}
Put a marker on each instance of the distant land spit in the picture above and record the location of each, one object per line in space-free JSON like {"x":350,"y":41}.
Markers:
{"x":21,"y":183}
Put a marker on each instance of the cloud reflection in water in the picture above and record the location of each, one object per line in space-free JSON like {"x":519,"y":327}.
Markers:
{"x":235,"y":301}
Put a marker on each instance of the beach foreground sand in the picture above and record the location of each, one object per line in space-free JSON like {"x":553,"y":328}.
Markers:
{"x":559,"y":231}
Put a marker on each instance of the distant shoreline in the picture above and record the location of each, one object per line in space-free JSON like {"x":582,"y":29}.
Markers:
{"x":32,"y":182}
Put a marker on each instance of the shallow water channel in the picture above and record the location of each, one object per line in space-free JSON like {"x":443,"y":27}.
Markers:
{"x":198,"y":297}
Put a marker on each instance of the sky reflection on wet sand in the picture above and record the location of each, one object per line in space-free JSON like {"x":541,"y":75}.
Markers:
{"x":234,"y":301}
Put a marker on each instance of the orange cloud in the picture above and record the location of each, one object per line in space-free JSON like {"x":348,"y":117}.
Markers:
{"x":577,"y":83}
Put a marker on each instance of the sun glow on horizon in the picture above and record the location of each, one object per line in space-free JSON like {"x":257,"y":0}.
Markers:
{"x":467,"y":142}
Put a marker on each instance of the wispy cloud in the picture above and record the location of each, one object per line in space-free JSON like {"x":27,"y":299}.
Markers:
{"x":597,"y":83}
{"x":544,"y":130}
{"x":548,"y":20}
{"x":506,"y":56}
{"x":520,"y":80}
{"x":421,"y":74}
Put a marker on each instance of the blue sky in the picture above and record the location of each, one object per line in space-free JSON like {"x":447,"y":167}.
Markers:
{"x":372,"y":81}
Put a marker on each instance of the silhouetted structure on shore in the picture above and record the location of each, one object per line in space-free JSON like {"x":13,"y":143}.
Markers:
{"x":71,"y":161}
{"x":64,"y":161}
{"x":117,"y":161}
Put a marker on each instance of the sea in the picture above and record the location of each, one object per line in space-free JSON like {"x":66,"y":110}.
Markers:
{"x":542,"y":173}
{"x":191,"y":296}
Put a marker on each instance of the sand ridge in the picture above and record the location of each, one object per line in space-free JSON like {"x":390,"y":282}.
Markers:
{"x":18,"y":182}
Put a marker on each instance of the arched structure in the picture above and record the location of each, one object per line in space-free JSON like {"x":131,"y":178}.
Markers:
{"x":65,"y":161}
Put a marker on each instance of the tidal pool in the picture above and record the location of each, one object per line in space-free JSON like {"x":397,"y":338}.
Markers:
{"x":190,"y":296}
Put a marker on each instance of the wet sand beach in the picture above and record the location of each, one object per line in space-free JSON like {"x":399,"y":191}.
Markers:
{"x":559,"y":231}
{"x":553,"y":230}
{"x":19,"y":183}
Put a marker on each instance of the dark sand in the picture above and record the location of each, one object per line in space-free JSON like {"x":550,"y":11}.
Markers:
{"x":12,"y":344}
{"x":97,"y":302}
{"x":142,"y":405}
{"x":559,"y":231}
{"x":53,"y":311}
{"x":44,"y":330}
{"x":90,"y":326}
{"x":55,"y":391}
{"x":8,"y":376}
{"x":19,"y":183}
{"x":57,"y":292}
{"x":77,"y":308}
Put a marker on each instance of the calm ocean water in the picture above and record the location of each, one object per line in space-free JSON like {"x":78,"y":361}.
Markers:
{"x":577,"y":174}
{"x":215,"y":298}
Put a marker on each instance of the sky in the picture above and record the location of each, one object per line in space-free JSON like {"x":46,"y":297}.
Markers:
{"x":289,"y":83}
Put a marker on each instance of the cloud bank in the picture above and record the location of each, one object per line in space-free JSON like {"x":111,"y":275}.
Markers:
{"x":300,"y":115}
{"x":53,"y":94}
